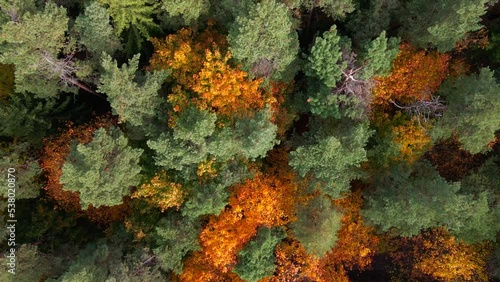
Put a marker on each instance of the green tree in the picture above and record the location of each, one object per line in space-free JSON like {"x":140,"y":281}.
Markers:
{"x":377,"y":56}
{"x":28,"y":118}
{"x":27,"y":170}
{"x":441,"y":24}
{"x":332,"y":156}
{"x":34,"y":43}
{"x":473,"y":106}
{"x":325,"y":61}
{"x":189,"y":11}
{"x":136,"y":14}
{"x":95,"y":32}
{"x":256,"y":260}
{"x":317,"y":225}
{"x":409,"y":199}
{"x":333,"y":8}
{"x":135,"y":103}
{"x":102,"y":170}
{"x":174,"y":237}
{"x":265,"y":41}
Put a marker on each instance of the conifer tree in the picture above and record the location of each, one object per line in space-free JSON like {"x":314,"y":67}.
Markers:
{"x":102,"y":170}
{"x":257,"y":259}
{"x":472,"y":113}
{"x":265,"y":41}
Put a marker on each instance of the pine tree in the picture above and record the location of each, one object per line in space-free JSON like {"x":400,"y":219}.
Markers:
{"x":265,"y":41}
{"x":377,"y":56}
{"x":135,"y":103}
{"x":257,"y":259}
{"x":102,"y":170}
{"x":441,"y":24}
{"x":131,"y":14}
{"x":94,"y":30}
{"x":189,"y":11}
{"x":472,"y":113}
{"x":317,"y":219}
{"x":332,"y":156}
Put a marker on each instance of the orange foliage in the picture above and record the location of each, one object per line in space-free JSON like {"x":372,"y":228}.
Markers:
{"x":293,"y":263}
{"x":415,"y":75}
{"x":265,"y":200}
{"x":54,"y":156}
{"x":161,"y":192}
{"x":437,"y":255}
{"x":203,"y":76}
{"x":197,"y":269}
{"x":356,"y":244}
{"x":413,"y":140}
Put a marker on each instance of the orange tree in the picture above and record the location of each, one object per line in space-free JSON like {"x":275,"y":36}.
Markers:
{"x":416,"y":74}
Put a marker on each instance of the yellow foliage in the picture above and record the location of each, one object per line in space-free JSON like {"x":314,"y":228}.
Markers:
{"x":161,"y":192}
{"x":412,"y":139}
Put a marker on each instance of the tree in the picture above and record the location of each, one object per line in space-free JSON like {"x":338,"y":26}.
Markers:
{"x":161,"y":192}
{"x":33,"y":43}
{"x":27,"y":170}
{"x":136,"y":14}
{"x":6,"y":80}
{"x":333,"y":8}
{"x":473,"y":103}
{"x":256,"y":260}
{"x":411,"y":199}
{"x":265,"y":41}
{"x":325,"y":59}
{"x":332,"y":156}
{"x":28,"y":118}
{"x":436,"y":255}
{"x":174,"y":237}
{"x":135,"y":103}
{"x":441,"y":24}
{"x":317,"y":219}
{"x":377,"y":56}
{"x":415,"y":75}
{"x":102,"y":170}
{"x":95,"y":32}
{"x":189,"y":11}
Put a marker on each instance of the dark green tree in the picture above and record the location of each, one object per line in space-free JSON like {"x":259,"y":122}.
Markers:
{"x":377,"y":56}
{"x":256,"y":260}
{"x":441,"y":24}
{"x":265,"y":40}
{"x":136,"y":103}
{"x":174,"y":237}
{"x":473,"y":106}
{"x":410,"y":199}
{"x":103,"y":170}
{"x":93,"y":30}
{"x":317,"y":225}
{"x":332,"y":156}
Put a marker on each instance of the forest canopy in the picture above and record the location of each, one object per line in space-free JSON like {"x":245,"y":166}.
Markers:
{"x":251,"y":140}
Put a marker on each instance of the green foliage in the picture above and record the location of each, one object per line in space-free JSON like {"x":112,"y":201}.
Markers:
{"x":324,"y":62}
{"x":27,"y":118}
{"x":377,"y":56}
{"x":31,"y":265}
{"x":256,"y":260}
{"x":333,"y":157}
{"x":135,"y":103}
{"x":318,"y":219}
{"x":441,"y":23}
{"x":27,"y":170}
{"x":408,"y":200}
{"x":472,"y":113}
{"x":369,"y":21}
{"x":174,"y":237}
{"x":195,"y":138}
{"x":264,"y":40}
{"x":131,"y":13}
{"x":32,"y":44}
{"x":95,"y":31}
{"x":189,"y":11}
{"x":336,"y":9}
{"x":102,"y":170}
